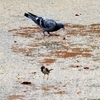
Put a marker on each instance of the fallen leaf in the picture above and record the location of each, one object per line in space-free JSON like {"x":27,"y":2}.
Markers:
{"x":15,"y":41}
{"x":76,"y":14}
{"x":25,"y":91}
{"x":77,"y":66}
{"x":79,"y":92}
{"x":86,"y":67}
{"x":60,"y":92}
{"x":26,"y":83}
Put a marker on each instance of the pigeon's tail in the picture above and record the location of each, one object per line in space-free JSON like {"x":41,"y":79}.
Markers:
{"x":31,"y":16}
{"x":50,"y":69}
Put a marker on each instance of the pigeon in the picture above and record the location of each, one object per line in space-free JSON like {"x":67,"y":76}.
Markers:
{"x":45,"y":71}
{"x":47,"y":25}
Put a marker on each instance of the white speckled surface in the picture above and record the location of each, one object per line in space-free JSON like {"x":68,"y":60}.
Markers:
{"x":69,"y":80}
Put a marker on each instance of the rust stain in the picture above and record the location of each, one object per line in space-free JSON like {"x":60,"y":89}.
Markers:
{"x":12,"y":30}
{"x":45,"y":88}
{"x":60,"y":92}
{"x":73,"y":32}
{"x":65,"y":54}
{"x":48,"y":60}
{"x":75,"y":51}
{"x":57,"y":89}
{"x":25,"y":51}
{"x":38,"y":38}
{"x":25,"y":31}
{"x":83,"y":30}
{"x":23,"y":34}
{"x":72,"y":29}
{"x":43,"y":55}
{"x":81,"y":50}
{"x":65,"y":47}
{"x":78,"y":26}
{"x":66,"y":25}
{"x":93,"y":28}
{"x":16,"y":97}
{"x":95,"y":25}
{"x":75,"y":66}
{"x":33,"y":45}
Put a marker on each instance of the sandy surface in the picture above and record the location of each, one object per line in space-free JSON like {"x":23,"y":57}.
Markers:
{"x":75,"y":59}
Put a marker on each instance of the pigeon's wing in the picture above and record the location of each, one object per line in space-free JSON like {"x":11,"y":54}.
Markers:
{"x":47,"y":24}
{"x":44,"y":23}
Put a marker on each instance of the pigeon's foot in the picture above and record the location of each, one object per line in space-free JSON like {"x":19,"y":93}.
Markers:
{"x":47,"y":34}
{"x":44,"y":34}
{"x":50,"y":35}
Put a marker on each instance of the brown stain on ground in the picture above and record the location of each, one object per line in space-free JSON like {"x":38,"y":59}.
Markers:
{"x":94,"y":28}
{"x":44,"y":88}
{"x":66,"y":54}
{"x":74,"y":52}
{"x":74,"y":26}
{"x":60,"y":92}
{"x":48,"y":60}
{"x":56,"y":89}
{"x":71,"y":30}
{"x":16,"y":97}
{"x":25,"y":31}
{"x":83,"y":30}
{"x":25,"y":51}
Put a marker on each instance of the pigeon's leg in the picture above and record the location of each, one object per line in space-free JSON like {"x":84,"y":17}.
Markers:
{"x":44,"y":33}
{"x":49,"y":34}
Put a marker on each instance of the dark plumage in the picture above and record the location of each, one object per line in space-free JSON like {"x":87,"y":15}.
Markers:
{"x":45,"y":70}
{"x":47,"y":25}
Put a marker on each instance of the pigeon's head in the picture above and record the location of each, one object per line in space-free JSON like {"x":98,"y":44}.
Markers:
{"x":60,"y":25}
